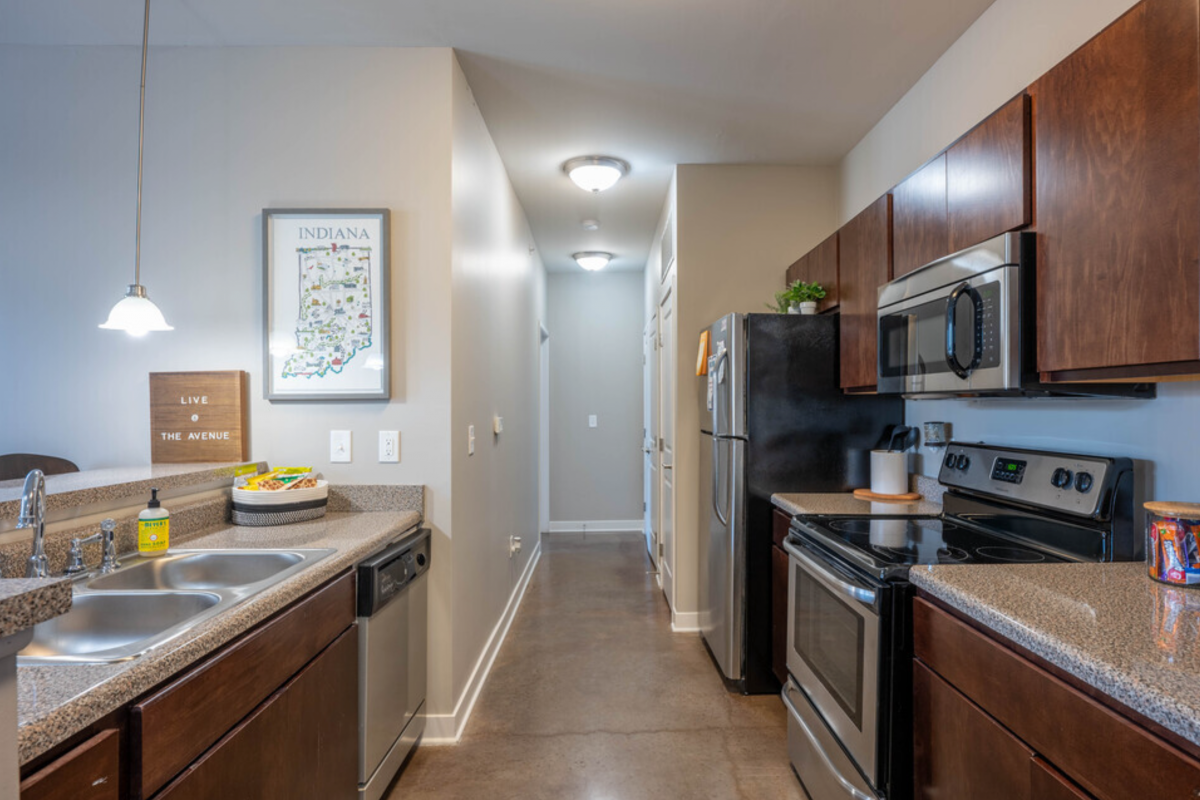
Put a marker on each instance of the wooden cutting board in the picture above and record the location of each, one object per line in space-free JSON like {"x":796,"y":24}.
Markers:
{"x":867,"y":494}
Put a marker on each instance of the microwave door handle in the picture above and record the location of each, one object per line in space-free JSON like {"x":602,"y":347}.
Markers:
{"x":850,"y":590}
{"x":952,"y":330}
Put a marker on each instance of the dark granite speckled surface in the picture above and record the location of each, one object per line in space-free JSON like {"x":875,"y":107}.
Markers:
{"x":1109,"y":625}
{"x":24,"y":602}
{"x":54,"y":702}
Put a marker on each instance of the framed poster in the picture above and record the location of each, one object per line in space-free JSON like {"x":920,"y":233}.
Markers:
{"x":325,"y":304}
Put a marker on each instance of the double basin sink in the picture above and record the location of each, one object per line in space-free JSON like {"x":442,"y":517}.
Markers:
{"x":149,"y":601}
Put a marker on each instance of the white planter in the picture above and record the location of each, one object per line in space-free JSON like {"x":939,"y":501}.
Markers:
{"x":809,"y":307}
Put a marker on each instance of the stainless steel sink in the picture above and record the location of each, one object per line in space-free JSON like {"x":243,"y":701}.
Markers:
{"x":199,"y":570}
{"x":149,"y":601}
{"x":113,"y":626}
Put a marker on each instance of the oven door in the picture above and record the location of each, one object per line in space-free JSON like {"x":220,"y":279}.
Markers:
{"x":833,"y":643}
{"x":960,"y":338}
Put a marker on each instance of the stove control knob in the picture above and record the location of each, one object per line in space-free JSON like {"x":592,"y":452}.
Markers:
{"x":963,"y":462}
{"x":1083,"y":482}
{"x":949,"y":460}
{"x":1061,"y":478}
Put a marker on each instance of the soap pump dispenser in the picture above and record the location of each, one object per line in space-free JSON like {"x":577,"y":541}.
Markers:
{"x":154,"y":524}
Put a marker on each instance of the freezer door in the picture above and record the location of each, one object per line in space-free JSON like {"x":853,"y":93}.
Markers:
{"x":727,"y":372}
{"x":724,"y":606}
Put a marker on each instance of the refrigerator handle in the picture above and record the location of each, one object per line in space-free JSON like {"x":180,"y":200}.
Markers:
{"x":716,"y":483}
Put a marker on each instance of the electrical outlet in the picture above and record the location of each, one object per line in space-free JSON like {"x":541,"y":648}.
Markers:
{"x":340,"y":447}
{"x":514,"y":545}
{"x":497,"y":425}
{"x":592,"y":423}
{"x":470,"y":440}
{"x":389,"y":447}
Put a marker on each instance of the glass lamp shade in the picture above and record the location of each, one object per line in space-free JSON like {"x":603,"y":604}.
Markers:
{"x":592,"y":261}
{"x":595,"y":173}
{"x":136,"y":314}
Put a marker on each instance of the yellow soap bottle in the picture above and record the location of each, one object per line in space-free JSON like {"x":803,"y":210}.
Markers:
{"x":154,"y":528}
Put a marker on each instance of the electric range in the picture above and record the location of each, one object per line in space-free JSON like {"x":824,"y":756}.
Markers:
{"x":849,"y":646}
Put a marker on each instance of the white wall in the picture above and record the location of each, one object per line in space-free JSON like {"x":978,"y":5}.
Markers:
{"x":958,"y":91}
{"x":737,"y":230}
{"x":596,"y":322}
{"x":499,"y":290}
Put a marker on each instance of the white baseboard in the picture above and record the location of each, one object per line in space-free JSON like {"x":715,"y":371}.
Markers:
{"x":443,"y":729}
{"x":599,"y":526}
{"x":685,"y":621}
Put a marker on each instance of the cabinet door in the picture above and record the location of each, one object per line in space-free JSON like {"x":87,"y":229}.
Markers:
{"x":961,"y":751}
{"x":302,"y":743}
{"x":988,"y":189}
{"x":919,"y":217}
{"x":779,"y":597}
{"x":1048,"y":783}
{"x":819,"y":265}
{"x":865,"y":264}
{"x":1118,"y":197}
{"x":89,"y":772}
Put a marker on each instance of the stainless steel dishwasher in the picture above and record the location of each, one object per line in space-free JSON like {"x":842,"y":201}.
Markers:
{"x":393,"y":607}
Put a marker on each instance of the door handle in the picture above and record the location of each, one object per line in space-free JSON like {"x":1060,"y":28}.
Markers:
{"x":850,"y":590}
{"x":951,"y":330}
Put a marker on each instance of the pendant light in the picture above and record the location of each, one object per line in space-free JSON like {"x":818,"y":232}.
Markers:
{"x":136,"y":314}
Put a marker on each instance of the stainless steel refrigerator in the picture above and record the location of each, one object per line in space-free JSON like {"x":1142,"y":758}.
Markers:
{"x":773,"y":419}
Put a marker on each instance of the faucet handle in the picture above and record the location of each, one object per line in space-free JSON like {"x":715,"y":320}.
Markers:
{"x":75,"y":558}
{"x":109,"y":561}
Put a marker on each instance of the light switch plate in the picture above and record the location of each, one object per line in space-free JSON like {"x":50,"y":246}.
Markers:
{"x":389,"y":447}
{"x":592,"y":423}
{"x":470,"y":440}
{"x":497,"y":425}
{"x":339,"y":447}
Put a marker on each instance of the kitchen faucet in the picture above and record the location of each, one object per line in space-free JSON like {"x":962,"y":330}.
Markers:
{"x":33,"y":515}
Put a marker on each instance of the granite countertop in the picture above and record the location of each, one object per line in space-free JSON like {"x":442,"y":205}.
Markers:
{"x":24,"y":602}
{"x":847,"y":503}
{"x":1109,"y":625}
{"x":89,"y":487}
{"x":53,"y":702}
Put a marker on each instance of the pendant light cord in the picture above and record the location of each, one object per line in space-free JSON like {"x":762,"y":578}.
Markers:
{"x":137,"y":251}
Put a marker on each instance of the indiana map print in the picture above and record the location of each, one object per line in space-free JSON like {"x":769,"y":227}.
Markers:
{"x":335,"y":310}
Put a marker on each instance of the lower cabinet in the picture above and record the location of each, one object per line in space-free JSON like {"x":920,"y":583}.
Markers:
{"x":301,"y":744}
{"x":90,"y":771}
{"x":779,"y":595}
{"x":990,"y":722}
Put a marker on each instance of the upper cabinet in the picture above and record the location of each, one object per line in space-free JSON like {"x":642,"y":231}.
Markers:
{"x":1118,"y":200}
{"x":978,"y":188}
{"x":919,"y":217}
{"x":988,"y":186}
{"x":819,"y":265}
{"x":865,"y":264}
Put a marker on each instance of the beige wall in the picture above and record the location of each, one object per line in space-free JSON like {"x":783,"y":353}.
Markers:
{"x":498,"y":298}
{"x":1005,"y":50}
{"x":595,"y":322}
{"x":738,"y":228}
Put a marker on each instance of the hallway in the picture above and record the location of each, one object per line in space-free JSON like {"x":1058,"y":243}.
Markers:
{"x":592,"y":697}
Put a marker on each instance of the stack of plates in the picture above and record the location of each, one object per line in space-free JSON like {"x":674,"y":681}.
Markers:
{"x":281,"y":507}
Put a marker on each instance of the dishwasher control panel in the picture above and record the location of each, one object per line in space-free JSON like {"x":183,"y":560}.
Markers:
{"x":386,"y":574}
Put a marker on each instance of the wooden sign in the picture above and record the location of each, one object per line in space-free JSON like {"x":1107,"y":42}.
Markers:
{"x":198,"y":417}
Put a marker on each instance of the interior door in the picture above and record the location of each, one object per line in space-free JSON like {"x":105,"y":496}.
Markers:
{"x":666,"y":434}
{"x":650,"y":436}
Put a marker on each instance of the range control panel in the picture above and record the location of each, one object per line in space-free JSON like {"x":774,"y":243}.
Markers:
{"x":1072,"y":483}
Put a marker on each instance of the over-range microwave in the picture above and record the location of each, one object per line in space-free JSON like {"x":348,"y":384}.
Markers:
{"x":963,"y":326}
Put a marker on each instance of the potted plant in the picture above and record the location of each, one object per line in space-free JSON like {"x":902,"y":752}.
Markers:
{"x":799,"y":298}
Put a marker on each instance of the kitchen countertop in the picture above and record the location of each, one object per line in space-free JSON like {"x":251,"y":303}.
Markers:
{"x":24,"y":602}
{"x":1108,"y":625}
{"x":54,"y":702}
{"x":847,"y":503}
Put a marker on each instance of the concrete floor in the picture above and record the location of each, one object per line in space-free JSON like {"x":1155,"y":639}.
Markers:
{"x":592,"y":697}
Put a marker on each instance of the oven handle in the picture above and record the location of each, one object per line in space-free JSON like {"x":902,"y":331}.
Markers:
{"x":850,"y":788}
{"x":951,"y":325}
{"x":856,"y":592}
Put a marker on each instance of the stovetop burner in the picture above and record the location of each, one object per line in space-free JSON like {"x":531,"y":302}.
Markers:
{"x":889,"y":545}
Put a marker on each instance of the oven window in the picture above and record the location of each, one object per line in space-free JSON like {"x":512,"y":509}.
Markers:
{"x":828,"y":635}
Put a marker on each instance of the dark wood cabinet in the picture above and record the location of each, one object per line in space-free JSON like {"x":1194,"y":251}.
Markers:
{"x":919,"y":218}
{"x":779,"y":598}
{"x":1118,"y":199}
{"x":819,"y":265}
{"x":91,"y":771}
{"x":960,"y":750}
{"x":988,"y":182}
{"x":1088,"y":743}
{"x":302,"y":743}
{"x":865,"y":264}
{"x":1047,"y":783}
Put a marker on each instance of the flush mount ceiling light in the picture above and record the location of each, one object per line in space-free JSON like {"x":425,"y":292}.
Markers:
{"x":136,"y":314}
{"x":590,"y":225}
{"x":592,"y":261}
{"x":596,"y":173}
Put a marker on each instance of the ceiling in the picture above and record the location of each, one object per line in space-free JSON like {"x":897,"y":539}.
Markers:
{"x":655,"y":82}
